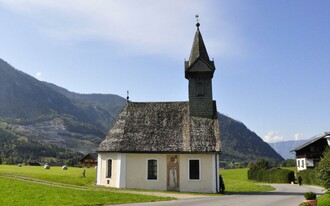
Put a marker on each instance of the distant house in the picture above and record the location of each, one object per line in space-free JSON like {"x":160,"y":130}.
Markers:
{"x":309,"y":154}
{"x":171,"y":146}
{"x":89,"y":160}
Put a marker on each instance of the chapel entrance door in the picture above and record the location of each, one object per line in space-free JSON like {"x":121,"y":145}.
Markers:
{"x":173,"y":173}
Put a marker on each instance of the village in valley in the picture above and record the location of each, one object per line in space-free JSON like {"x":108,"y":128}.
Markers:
{"x":59,"y":147}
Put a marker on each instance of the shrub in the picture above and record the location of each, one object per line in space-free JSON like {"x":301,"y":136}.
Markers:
{"x":308,"y":177}
{"x":288,"y":163}
{"x":310,"y":196}
{"x":274,"y":175}
{"x":262,"y":164}
{"x":323,"y":170}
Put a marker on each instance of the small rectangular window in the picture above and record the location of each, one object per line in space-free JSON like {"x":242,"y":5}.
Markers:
{"x":194,"y":169}
{"x":109,"y":172}
{"x":200,"y":89}
{"x":152,"y":170}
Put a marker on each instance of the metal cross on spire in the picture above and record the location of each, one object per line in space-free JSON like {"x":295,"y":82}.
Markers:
{"x":197,"y":20}
{"x":127,"y":97}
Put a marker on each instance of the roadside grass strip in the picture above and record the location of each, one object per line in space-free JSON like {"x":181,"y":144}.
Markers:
{"x":324,"y":200}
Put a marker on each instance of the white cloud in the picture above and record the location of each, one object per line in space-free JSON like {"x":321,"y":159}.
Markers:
{"x":272,"y":136}
{"x":144,"y":26}
{"x":39,"y":75}
{"x":297,"y":136}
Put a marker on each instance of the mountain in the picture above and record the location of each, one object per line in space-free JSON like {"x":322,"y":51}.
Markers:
{"x":41,"y":116}
{"x":16,"y":148}
{"x":239,"y":144}
{"x":24,"y":98}
{"x":283,"y":148}
{"x":44,"y":113}
{"x":104,"y":107}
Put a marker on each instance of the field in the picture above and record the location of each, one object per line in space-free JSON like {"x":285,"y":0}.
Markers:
{"x":54,"y":174}
{"x":236,"y":181}
{"x":29,"y":185}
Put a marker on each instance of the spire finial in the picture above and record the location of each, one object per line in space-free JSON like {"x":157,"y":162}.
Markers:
{"x":127,"y":97}
{"x":197,"y":20}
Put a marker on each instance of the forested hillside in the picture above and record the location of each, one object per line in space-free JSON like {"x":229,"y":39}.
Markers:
{"x":242,"y":145}
{"x":15,"y":149}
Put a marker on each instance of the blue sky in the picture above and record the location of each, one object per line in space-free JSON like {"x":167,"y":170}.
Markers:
{"x":272,"y":57}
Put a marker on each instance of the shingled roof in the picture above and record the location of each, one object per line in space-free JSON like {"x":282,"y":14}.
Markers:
{"x":162,"y":128}
{"x":311,"y":141}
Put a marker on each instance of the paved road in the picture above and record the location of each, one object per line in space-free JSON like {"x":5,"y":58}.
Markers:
{"x":284,"y":194}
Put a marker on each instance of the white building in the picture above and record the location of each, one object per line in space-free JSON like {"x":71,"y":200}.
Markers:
{"x":171,"y":146}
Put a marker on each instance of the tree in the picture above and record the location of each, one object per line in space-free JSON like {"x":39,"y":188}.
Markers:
{"x":323,"y":170}
{"x":262,"y":164}
{"x":288,"y":163}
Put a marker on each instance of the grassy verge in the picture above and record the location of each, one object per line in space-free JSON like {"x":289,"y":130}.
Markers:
{"x":324,"y":200}
{"x":236,"y":181}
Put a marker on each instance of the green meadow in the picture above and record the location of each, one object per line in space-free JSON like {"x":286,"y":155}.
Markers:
{"x":30,"y":185}
{"x":54,"y":174}
{"x":236,"y":181}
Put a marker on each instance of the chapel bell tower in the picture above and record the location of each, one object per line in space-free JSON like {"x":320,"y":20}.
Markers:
{"x":199,"y":72}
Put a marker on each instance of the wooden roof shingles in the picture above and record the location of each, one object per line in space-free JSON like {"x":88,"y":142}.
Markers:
{"x":161,"y":127}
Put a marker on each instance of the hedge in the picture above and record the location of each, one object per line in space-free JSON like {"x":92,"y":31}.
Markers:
{"x":308,"y":177}
{"x":273,"y":175}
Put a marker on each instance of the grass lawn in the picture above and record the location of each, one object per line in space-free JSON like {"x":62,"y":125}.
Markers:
{"x":71,"y":176}
{"x":324,"y":200}
{"x":236,"y":181}
{"x":18,"y":192}
{"x":15,"y":192}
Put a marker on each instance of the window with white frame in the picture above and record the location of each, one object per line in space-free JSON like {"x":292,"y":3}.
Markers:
{"x":109,"y":168}
{"x":194,"y":169}
{"x":152,"y":169}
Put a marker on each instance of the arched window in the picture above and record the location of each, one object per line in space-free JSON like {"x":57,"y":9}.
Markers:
{"x":109,"y":168}
{"x":152,"y":169}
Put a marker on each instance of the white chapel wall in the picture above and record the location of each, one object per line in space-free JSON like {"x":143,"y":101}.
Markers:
{"x":102,"y":170}
{"x":206,"y":183}
{"x":136,"y":170}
